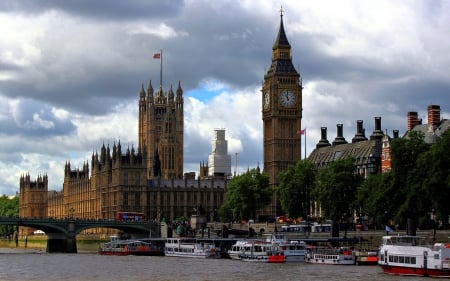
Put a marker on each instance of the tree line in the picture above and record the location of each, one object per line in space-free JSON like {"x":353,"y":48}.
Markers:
{"x":415,"y":190}
{"x":9,"y":207}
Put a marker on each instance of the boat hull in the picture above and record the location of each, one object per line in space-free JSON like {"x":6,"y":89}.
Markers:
{"x":330,"y":261}
{"x":131,"y":253}
{"x":412,"y":271}
{"x":263,"y":258}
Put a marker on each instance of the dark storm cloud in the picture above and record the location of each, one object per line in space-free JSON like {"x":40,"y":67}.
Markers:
{"x":110,"y":10}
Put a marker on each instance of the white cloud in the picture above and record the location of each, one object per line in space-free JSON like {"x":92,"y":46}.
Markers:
{"x":161,"y":30}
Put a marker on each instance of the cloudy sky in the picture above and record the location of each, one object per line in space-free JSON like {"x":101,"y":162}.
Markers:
{"x":71,"y":72}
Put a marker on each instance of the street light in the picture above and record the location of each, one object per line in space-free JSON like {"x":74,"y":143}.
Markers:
{"x":433,"y":219}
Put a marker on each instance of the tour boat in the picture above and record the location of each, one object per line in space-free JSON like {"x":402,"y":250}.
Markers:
{"x":322,"y":255}
{"x":257,"y":251}
{"x":293,"y":250}
{"x":410,"y":255}
{"x":118,"y":247}
{"x":190,"y":247}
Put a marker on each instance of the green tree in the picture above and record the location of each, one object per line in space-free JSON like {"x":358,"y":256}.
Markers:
{"x":407,"y":178}
{"x":246,"y":194}
{"x":336,"y":187}
{"x":295,"y":188}
{"x":374,"y":198}
{"x":433,"y":176}
{"x":8,"y":207}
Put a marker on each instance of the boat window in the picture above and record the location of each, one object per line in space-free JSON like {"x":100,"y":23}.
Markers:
{"x":436,"y":256}
{"x":401,"y":259}
{"x":407,"y":260}
{"x":413,"y":260}
{"x":395,"y":258}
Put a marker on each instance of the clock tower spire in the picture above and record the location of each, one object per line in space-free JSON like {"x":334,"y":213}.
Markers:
{"x":281,"y":110}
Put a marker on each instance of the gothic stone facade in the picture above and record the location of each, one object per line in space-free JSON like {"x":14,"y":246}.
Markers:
{"x":149,"y":180}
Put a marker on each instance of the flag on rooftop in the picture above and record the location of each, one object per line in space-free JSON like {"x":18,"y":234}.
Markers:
{"x":301,"y":132}
{"x":157,"y":55}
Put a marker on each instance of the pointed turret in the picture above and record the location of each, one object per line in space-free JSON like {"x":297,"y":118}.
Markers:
{"x":281,"y":54}
{"x":281,"y":40}
{"x":171,"y":96}
{"x":142,"y":93}
{"x":179,"y":98}
{"x":150,"y":92}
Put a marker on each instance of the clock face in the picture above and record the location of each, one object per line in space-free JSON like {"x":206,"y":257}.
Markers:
{"x":288,"y":98}
{"x":266,"y":100}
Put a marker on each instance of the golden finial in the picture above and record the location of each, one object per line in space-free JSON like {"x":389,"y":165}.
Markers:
{"x":281,"y":11}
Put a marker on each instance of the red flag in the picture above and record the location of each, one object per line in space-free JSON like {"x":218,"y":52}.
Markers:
{"x":157,"y":55}
{"x":301,"y":132}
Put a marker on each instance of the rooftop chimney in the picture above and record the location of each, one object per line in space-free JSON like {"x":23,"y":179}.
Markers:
{"x":359,"y":136}
{"x":395,"y":134}
{"x":377,"y":133}
{"x":434,"y":115}
{"x":339,"y":138}
{"x":412,"y":120}
{"x":323,"y":140}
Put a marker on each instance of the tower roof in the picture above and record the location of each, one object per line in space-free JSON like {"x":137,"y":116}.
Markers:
{"x":281,"y":54}
{"x":281,"y":40}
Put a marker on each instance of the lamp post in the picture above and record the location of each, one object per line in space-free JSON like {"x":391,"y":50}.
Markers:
{"x":433,"y":219}
{"x":386,"y":222}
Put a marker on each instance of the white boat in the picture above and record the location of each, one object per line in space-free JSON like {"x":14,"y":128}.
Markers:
{"x":293,"y":250}
{"x":256,"y":251}
{"x":322,"y":255}
{"x":190,"y":247}
{"x":411,"y":255}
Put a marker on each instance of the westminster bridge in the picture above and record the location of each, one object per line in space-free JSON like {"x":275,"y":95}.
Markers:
{"x":61,"y":233}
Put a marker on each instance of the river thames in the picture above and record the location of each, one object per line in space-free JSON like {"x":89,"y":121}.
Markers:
{"x":20,"y":264}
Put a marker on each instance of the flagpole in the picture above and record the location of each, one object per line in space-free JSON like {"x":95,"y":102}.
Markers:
{"x":160,"y":70}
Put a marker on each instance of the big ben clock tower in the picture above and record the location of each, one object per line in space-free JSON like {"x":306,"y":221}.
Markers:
{"x":281,"y":110}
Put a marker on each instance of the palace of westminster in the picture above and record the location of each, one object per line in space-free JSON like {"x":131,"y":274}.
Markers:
{"x":150,"y":179}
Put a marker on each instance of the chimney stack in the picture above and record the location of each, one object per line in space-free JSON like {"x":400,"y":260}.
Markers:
{"x":359,"y":136}
{"x":377,"y":133}
{"x":395,"y":134}
{"x":323,"y":140}
{"x":413,"y":120}
{"x":434,"y":115}
{"x":339,"y":138}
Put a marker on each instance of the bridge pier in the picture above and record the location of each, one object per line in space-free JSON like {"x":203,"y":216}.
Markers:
{"x":61,"y":243}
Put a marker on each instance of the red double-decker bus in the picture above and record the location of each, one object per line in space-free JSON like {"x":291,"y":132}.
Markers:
{"x":129,"y":216}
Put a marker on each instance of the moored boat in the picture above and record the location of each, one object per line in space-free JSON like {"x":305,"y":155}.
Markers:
{"x":293,"y":250}
{"x":322,"y":255}
{"x":256,"y":251}
{"x":118,"y":247}
{"x":412,"y":256}
{"x":190,"y":247}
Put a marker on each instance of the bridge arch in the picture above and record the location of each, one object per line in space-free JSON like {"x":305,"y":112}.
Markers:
{"x":61,"y":234}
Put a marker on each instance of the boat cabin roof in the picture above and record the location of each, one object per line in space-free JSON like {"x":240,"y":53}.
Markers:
{"x":403,"y":240}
